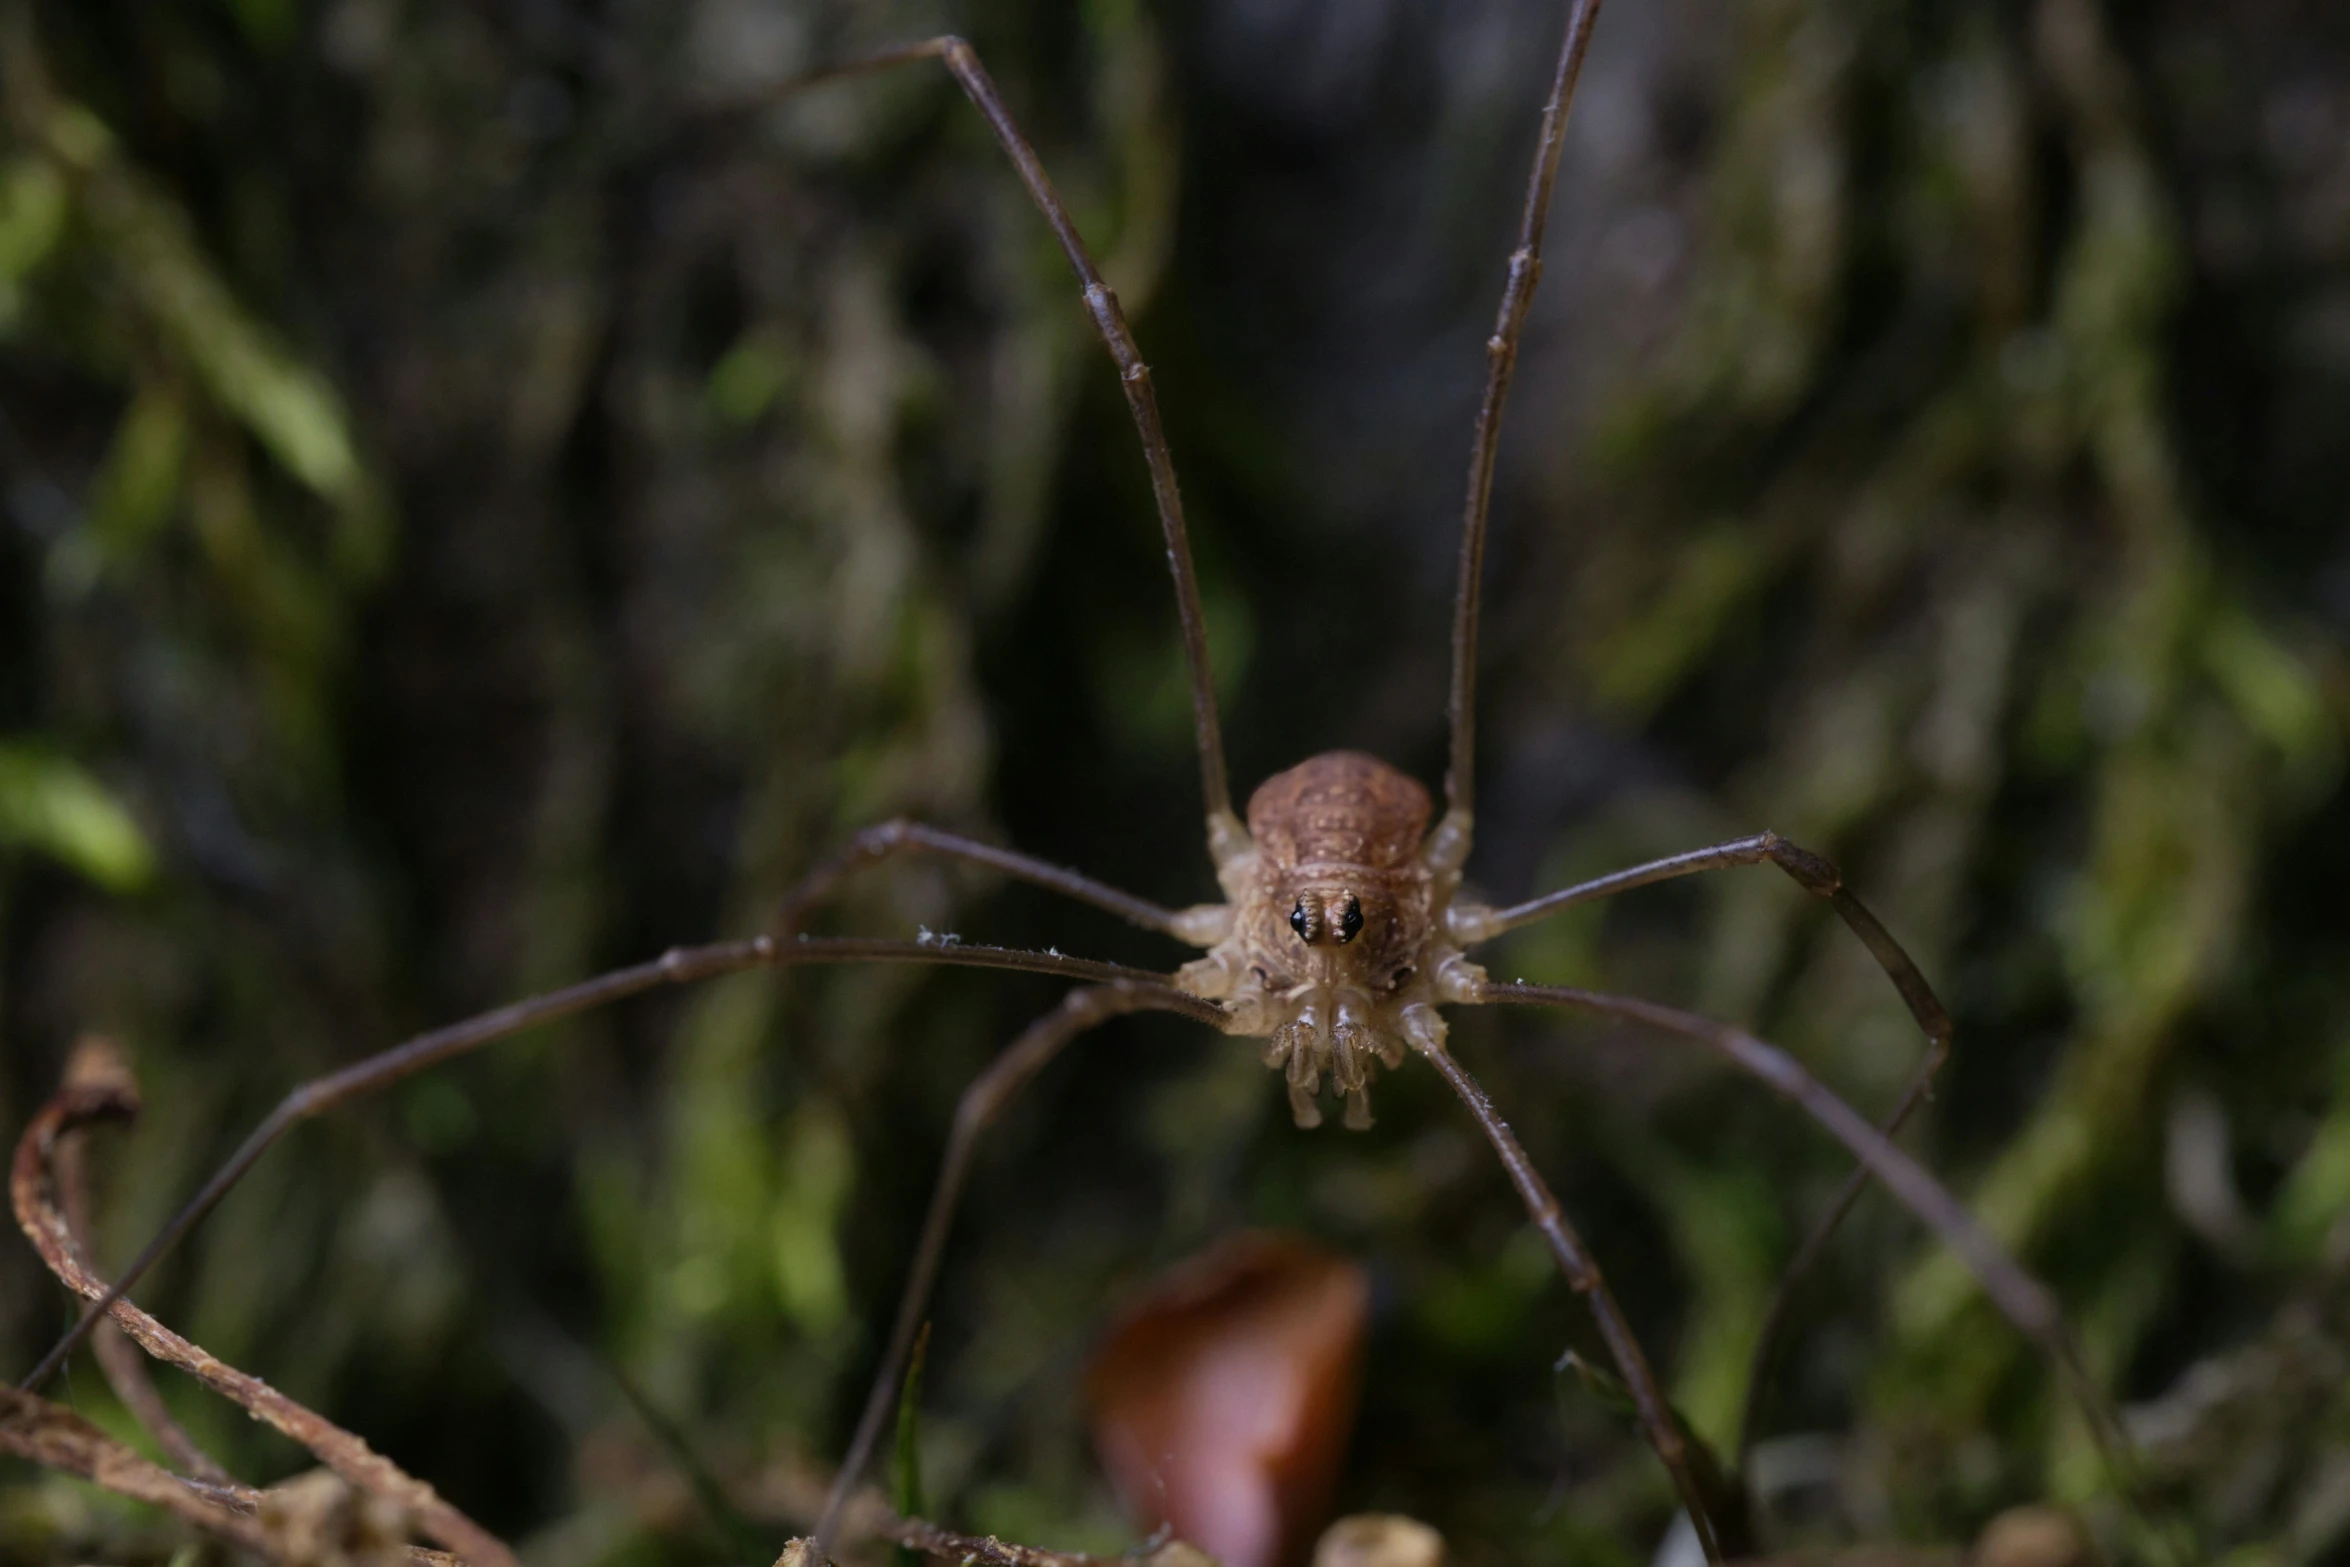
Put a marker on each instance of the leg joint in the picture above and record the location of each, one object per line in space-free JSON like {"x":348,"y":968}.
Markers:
{"x":1816,"y":874}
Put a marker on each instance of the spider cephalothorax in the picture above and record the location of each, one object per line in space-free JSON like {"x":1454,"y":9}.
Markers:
{"x":1333,"y":947}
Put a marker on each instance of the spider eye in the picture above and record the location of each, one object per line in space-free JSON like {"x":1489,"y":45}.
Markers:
{"x":1350,"y":921}
{"x":1297,"y":921}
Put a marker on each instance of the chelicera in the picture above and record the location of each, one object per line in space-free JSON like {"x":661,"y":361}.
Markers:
{"x":1341,"y":938}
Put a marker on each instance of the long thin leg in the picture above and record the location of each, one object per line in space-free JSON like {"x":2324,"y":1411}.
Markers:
{"x":981,"y":1103}
{"x":1764,"y":1362}
{"x":892,"y":838}
{"x":962,"y":62}
{"x":677,"y":966}
{"x":1501,"y":362}
{"x":2024,"y":1300}
{"x":1469,"y":924}
{"x":1583,"y":1277}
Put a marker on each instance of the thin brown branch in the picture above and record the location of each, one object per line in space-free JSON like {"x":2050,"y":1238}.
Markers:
{"x":32,"y":1191}
{"x":56,"y":1438}
{"x":929,"y":1539}
{"x":918,"y":1534}
{"x":97,"y":1063}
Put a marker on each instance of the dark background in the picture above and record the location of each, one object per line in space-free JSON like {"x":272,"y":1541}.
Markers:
{"x":481,"y":505}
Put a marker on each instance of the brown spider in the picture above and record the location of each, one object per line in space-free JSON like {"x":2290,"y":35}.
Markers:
{"x":1340,"y":940}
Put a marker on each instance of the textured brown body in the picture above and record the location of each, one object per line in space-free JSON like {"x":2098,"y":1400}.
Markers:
{"x":1334,"y":933}
{"x":1339,"y":825}
{"x":1340,"y":808}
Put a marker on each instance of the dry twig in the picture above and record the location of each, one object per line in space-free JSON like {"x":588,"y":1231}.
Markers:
{"x":57,"y":1438}
{"x":32,"y":1190}
{"x":97,"y":1063}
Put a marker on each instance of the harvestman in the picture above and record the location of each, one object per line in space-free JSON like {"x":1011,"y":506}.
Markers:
{"x":1341,"y":937}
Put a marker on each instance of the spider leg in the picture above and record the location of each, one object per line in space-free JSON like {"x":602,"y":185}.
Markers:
{"x":1470,"y":923}
{"x":677,"y":966}
{"x":893,"y":838}
{"x":982,"y":1102}
{"x":1583,"y":1277}
{"x":1225,"y":834}
{"x":2023,"y":1299}
{"x":1501,"y":362}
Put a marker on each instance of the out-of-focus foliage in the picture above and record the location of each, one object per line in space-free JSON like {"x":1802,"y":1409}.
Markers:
{"x":488,"y":497}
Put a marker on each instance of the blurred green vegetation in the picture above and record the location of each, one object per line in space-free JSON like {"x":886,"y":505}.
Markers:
{"x":487,"y":498}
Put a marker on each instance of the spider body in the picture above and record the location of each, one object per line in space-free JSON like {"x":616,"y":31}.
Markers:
{"x":1333,"y":948}
{"x":1340,"y":936}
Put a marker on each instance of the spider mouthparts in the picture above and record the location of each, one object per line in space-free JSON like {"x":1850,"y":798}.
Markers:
{"x":1336,"y":1036}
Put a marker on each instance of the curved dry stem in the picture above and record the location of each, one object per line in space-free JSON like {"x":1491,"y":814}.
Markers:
{"x":982,"y":1102}
{"x":96,"y":1062}
{"x":56,"y":1438}
{"x":31,"y":1190}
{"x":1583,"y":1277}
{"x":1501,"y":363}
{"x":677,"y":966}
{"x":266,"y":1523}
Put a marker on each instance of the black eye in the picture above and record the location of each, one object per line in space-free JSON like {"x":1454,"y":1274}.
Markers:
{"x":1350,"y":922}
{"x":1297,"y":919}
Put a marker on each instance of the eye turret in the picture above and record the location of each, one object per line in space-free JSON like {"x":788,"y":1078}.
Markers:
{"x":1312,"y":919}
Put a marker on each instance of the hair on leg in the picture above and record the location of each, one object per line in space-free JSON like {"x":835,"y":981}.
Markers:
{"x":1469,"y":923}
{"x":677,"y":966}
{"x":1225,"y":834}
{"x":978,"y":1108}
{"x":1584,"y":1278}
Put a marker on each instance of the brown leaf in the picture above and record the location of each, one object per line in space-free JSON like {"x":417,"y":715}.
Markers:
{"x":1222,"y":1401}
